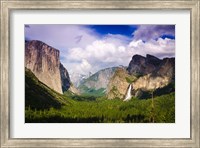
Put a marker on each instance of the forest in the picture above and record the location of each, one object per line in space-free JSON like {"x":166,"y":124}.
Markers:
{"x":44,"y":105}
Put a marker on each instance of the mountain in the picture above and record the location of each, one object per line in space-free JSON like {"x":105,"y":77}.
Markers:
{"x":38,"y":95}
{"x":44,"y":61}
{"x":140,"y":65}
{"x":145,"y":74}
{"x":97,"y":83}
{"x":150,"y":64}
{"x":118,"y":84}
{"x":160,"y":74}
{"x":77,"y":78}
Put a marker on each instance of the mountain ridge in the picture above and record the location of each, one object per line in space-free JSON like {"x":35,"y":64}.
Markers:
{"x":97,"y":82}
{"x":150,"y":73}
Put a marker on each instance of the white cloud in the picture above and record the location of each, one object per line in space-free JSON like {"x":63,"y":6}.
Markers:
{"x":105,"y":53}
{"x":83,"y":50}
{"x":83,"y":67}
{"x":160,"y":48}
{"x":100,"y":54}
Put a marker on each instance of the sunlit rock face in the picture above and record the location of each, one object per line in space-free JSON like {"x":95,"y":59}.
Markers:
{"x":153,"y":72}
{"x":144,"y":74}
{"x":162,"y":75}
{"x":44,"y":61}
{"x":119,"y":83}
{"x":150,"y":83}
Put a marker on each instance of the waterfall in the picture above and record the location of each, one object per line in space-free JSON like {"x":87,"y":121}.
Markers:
{"x":128,"y":94}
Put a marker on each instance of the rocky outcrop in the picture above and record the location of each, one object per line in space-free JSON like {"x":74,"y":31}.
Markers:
{"x":162,"y":74}
{"x":44,"y":61}
{"x":140,"y":65}
{"x":148,"y":82}
{"x":150,"y":64}
{"x":65,"y":80}
{"x":118,"y":84}
{"x":166,"y":68}
{"x":160,"y":77}
{"x":144,"y":74}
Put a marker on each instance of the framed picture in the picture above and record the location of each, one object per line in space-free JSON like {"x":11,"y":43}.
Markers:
{"x":100,"y":73}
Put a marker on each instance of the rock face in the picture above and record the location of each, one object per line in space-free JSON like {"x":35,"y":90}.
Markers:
{"x":38,"y":95}
{"x":118,"y":84}
{"x":147,"y":83}
{"x":160,"y":77}
{"x":140,"y":65}
{"x":74,"y":90}
{"x":161,"y":73}
{"x":98,"y":80}
{"x":44,"y":62}
{"x":144,"y":74}
{"x":65,"y":80}
{"x":166,"y":68}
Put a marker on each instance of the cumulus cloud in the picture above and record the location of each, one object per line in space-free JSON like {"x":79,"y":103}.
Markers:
{"x":99,"y":54}
{"x":115,"y":50}
{"x":160,"y":48}
{"x":148,"y":32}
{"x":83,"y":50}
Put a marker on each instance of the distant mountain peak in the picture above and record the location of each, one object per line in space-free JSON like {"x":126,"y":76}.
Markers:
{"x":97,"y":82}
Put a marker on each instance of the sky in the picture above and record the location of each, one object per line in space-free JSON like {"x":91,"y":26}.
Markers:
{"x":90,"y":48}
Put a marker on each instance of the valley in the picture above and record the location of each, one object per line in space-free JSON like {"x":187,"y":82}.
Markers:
{"x":142,"y":92}
{"x":44,"y":105}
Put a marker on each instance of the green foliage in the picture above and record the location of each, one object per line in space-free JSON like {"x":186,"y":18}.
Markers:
{"x":103,"y":110}
{"x":158,"y":92}
{"x":68,"y":93}
{"x":38,"y":95}
{"x":84,"y":98}
{"x":43,"y":105}
{"x":114,"y":90}
{"x":130,"y":79}
{"x":91,"y":91}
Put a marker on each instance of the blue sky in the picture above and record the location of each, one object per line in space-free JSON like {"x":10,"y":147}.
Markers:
{"x":126,"y":30}
{"x":89,"y":48}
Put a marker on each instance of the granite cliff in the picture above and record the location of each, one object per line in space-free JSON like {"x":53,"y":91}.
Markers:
{"x":118,"y":84}
{"x":44,"y":61}
{"x":140,"y":65}
{"x":160,"y":75}
{"x":145,"y":74}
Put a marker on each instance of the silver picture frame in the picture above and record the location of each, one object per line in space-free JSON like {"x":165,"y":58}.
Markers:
{"x":192,"y":5}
